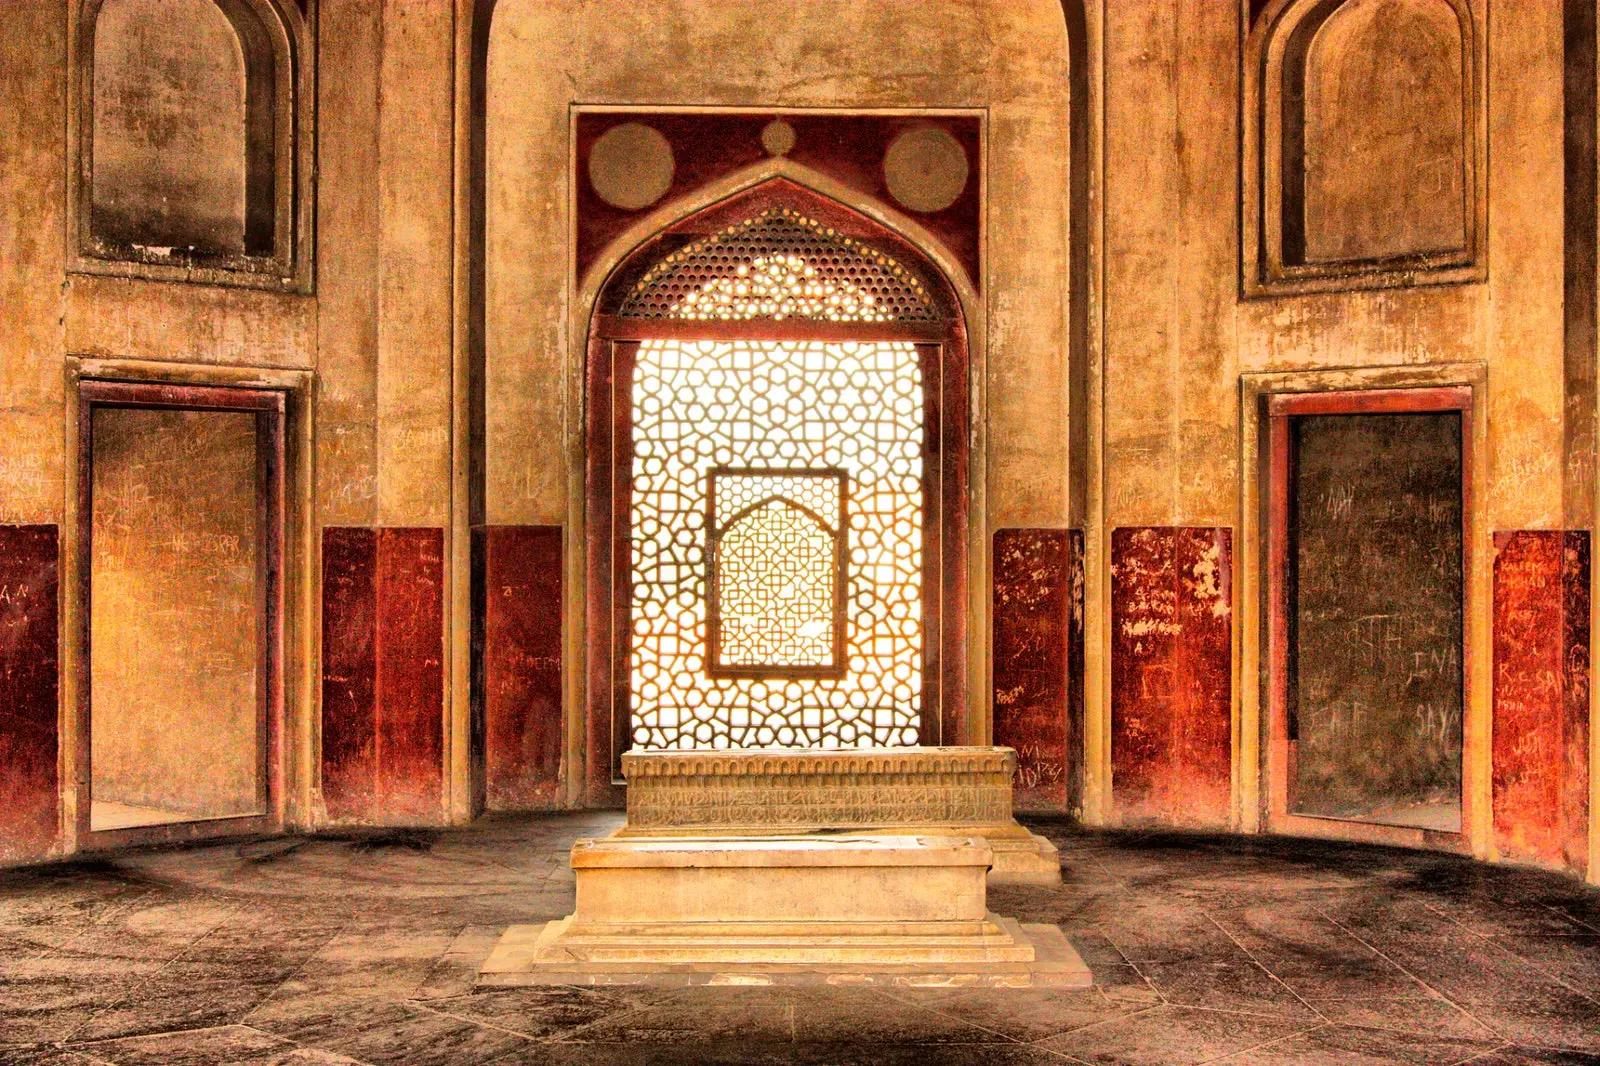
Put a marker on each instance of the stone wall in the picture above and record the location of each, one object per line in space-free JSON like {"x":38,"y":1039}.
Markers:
{"x":430,"y":331}
{"x":1188,"y":308}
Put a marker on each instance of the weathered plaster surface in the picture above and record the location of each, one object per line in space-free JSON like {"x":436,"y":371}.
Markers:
{"x":1177,"y":333}
{"x":351,"y":41}
{"x":1009,"y":58}
{"x":121,"y":318}
{"x":33,"y":203}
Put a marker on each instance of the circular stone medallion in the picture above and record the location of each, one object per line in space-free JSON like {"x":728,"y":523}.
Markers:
{"x":777,"y":137}
{"x":926,"y":169}
{"x":631,"y":166}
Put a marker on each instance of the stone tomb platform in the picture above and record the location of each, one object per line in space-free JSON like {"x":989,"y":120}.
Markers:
{"x":963,"y":791}
{"x":907,"y":910}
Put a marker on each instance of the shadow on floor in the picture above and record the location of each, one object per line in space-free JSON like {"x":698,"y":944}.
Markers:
{"x":362,"y":947}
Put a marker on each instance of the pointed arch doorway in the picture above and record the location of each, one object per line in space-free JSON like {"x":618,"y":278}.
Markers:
{"x":777,"y":401}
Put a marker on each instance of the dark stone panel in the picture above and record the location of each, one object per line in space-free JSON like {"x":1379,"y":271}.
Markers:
{"x":410,"y":674}
{"x":520,"y":663}
{"x":1144,"y":650}
{"x":1375,"y":618}
{"x":1202,"y":752}
{"x":1032,"y":618}
{"x":30,"y":558}
{"x":848,"y":148}
{"x":349,"y":671}
{"x":1541,"y":696}
{"x":1172,"y":674}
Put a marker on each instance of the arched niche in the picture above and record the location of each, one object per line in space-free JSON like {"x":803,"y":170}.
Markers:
{"x":776,"y":277}
{"x":191,"y":119}
{"x":1364,"y":145}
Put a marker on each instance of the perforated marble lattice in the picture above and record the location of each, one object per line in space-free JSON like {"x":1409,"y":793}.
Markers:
{"x":780,"y":265}
{"x":793,"y":406}
{"x":775,"y":553}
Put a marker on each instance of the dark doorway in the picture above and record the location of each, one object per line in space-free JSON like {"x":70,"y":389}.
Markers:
{"x":1368,"y":545}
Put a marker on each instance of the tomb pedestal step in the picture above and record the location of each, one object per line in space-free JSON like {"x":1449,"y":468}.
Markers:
{"x":874,"y":909}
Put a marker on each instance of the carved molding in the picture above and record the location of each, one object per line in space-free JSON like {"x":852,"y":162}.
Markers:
{"x":779,"y":763}
{"x":820,"y":789}
{"x":1323,"y":211}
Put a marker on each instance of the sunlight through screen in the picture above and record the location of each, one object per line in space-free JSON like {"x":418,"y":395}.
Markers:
{"x":814,"y":545}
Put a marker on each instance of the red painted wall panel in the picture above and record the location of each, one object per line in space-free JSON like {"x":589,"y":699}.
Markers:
{"x":1033,"y":586}
{"x":1578,"y":617}
{"x":1541,"y":696}
{"x":410,"y":674}
{"x":383,"y":675}
{"x":30,"y":561}
{"x":1172,"y":674}
{"x":1075,"y":703}
{"x":349,"y":671}
{"x":520,"y":663}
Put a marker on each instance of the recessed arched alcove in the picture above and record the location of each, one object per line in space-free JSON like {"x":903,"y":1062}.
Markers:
{"x":1365,"y":152}
{"x":1017,"y":101}
{"x":1381,"y":166}
{"x":776,"y":404}
{"x":191,"y":123}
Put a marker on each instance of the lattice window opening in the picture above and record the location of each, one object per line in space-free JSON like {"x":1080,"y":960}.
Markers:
{"x":780,"y":265}
{"x":779,"y":287}
{"x":793,"y":405}
{"x":776,"y":549}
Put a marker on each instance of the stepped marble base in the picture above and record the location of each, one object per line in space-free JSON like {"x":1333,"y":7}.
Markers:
{"x":905,"y":910}
{"x":543,"y":955}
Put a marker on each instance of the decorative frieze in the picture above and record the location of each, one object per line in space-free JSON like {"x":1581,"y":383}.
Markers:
{"x":804,"y":790}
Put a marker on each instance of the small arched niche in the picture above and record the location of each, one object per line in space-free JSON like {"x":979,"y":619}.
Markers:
{"x":775,"y":576}
{"x":188,"y":130}
{"x":1365,"y":149}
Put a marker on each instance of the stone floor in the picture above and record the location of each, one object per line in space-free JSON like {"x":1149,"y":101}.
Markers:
{"x":341,"y":949}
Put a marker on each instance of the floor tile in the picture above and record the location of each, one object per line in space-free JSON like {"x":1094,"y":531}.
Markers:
{"x":707,"y":1014}
{"x":233,"y":1045}
{"x":1031,"y":1014}
{"x":1524,"y":1056}
{"x":1172,"y":1036}
{"x":539,"y":1013}
{"x":1335,"y":1045}
{"x":1235,"y":983}
{"x":866,"y":1016}
{"x":1425,"y":1015}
